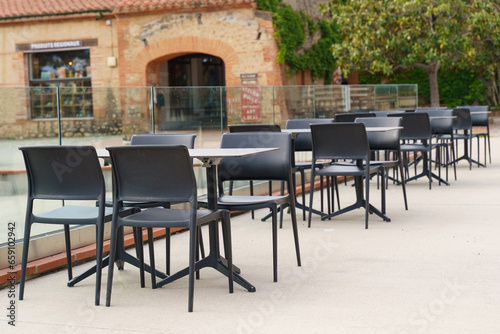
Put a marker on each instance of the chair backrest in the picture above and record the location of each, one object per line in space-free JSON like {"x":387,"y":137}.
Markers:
{"x":416,"y":125}
{"x":480,"y":118}
{"x":164,"y":139}
{"x":63,"y":172}
{"x":462,"y":120}
{"x":430,"y":108}
{"x":275,"y":165}
{"x":384,"y":113}
{"x":303,"y":141}
{"x":382,"y":140}
{"x":149,"y":173}
{"x":340,"y":141}
{"x":254,"y":128}
{"x":351,"y":116}
{"x":441,"y":120}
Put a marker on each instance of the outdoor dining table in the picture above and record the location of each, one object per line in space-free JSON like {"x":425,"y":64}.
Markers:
{"x":210,"y":158}
{"x":466,"y":156}
{"x":360,"y":200}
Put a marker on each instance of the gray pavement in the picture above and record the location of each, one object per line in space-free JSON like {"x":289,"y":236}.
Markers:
{"x":433,"y":269}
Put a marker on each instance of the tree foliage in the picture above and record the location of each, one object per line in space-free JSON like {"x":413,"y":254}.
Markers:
{"x":293,"y":30}
{"x":386,"y":36}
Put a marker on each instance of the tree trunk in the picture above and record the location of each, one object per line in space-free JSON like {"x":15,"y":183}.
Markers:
{"x":432,"y":72}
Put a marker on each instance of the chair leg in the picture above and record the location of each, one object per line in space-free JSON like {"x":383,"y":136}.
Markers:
{"x":489,"y":147}
{"x":383,"y":188}
{"x":275,"y":242}
{"x":199,"y":249}
{"x":152,"y":257}
{"x":67,"y":240}
{"x":302,"y":182}
{"x":320,"y":191}
{"x":24,"y":261}
{"x":167,"y":250}
{"x":99,"y":250}
{"x":403,"y":183}
{"x":367,"y":196}
{"x":228,"y":253}
{"x":282,"y":207}
{"x":328,"y":200}
{"x":295,"y":229}
{"x":112,"y":255}
{"x":140,"y":255}
{"x":192,"y":261}
{"x":311,"y":195}
{"x":336,"y":185}
{"x":251,"y":194}
{"x":478,"y":150}
{"x":429,"y":170}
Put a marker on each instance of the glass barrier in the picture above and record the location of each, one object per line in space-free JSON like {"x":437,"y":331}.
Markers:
{"x":106,"y":116}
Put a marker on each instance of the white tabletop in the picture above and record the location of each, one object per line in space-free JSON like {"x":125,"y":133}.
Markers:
{"x":368,"y":129}
{"x":441,"y":117}
{"x":211,"y":156}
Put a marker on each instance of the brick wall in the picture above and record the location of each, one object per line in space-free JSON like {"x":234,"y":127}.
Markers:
{"x":241,"y":37}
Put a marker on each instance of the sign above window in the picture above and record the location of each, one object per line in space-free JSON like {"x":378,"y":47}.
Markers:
{"x":56,"y":45}
{"x":62,"y":65}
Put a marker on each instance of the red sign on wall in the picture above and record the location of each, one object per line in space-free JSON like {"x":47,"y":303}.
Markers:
{"x":251,"y":104}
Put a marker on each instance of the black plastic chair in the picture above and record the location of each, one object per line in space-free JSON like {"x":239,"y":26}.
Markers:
{"x":462,"y":125}
{"x":303,"y":143}
{"x":253,"y":128}
{"x":388,"y":142}
{"x":480,"y":119}
{"x":272,"y":166}
{"x":417,"y":137}
{"x":350,"y":117}
{"x":161,"y":174}
{"x":65,"y":173}
{"x":345,"y":141}
{"x":441,"y":121}
{"x":163,"y":139}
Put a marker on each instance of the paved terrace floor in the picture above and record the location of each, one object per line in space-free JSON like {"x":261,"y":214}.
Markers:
{"x":433,"y":269}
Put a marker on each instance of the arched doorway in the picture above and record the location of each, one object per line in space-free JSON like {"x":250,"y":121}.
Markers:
{"x":195,"y":92}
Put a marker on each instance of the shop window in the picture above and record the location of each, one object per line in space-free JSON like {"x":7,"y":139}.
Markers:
{"x":63,"y":74}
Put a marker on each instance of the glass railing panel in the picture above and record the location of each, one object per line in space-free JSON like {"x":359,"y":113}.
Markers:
{"x":330,"y":100}
{"x":407,"y":97}
{"x":251,"y":105}
{"x":293,"y":102}
{"x":105,"y":116}
{"x":21,"y":124}
{"x":386,"y":97}
{"x":361,"y":98}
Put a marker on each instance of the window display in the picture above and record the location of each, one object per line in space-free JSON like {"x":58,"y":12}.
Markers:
{"x":68,"y":70}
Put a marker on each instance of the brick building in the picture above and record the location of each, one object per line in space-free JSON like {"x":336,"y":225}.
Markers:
{"x":75,"y":45}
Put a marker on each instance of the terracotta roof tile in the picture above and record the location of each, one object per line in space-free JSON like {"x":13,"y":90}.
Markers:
{"x":29,"y":8}
{"x":126,"y":6}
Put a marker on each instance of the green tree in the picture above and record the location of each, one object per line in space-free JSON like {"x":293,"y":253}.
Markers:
{"x":304,"y":43}
{"x":386,"y":36}
{"x":485,"y":27}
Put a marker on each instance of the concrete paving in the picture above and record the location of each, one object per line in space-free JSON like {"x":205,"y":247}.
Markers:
{"x":433,"y":269}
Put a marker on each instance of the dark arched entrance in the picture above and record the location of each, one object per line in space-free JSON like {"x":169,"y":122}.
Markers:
{"x":195,"y":93}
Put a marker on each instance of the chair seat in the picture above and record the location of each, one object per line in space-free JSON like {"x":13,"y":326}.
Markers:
{"x":156,"y":217}
{"x":76,"y":213}
{"x":414,"y":147}
{"x":140,"y":205}
{"x":308,"y":164}
{"x":344,"y":169}
{"x":456,"y":136}
{"x":226,"y":200}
